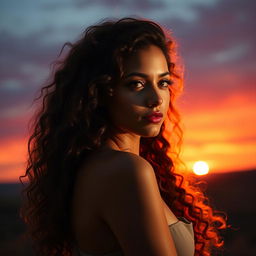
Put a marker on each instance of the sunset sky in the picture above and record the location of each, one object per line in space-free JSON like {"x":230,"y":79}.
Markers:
{"x":216,"y":42}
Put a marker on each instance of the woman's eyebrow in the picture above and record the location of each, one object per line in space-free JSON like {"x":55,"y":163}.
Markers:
{"x":164,"y":74}
{"x":144,"y":75}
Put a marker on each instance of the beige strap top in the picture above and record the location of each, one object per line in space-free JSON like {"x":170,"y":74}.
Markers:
{"x":182,"y":234}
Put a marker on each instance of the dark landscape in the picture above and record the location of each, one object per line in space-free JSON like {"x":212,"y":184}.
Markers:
{"x":233,"y":193}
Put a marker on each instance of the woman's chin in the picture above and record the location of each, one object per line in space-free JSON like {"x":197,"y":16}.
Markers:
{"x":151,"y":132}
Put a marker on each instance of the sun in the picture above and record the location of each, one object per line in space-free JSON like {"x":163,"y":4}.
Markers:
{"x":200,"y":168}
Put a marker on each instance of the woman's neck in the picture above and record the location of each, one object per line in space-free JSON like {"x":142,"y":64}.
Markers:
{"x":124,"y":142}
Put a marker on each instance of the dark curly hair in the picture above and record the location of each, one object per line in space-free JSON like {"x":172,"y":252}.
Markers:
{"x":72,"y":122}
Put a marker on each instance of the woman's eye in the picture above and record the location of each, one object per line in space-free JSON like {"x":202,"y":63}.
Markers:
{"x":165,"y":82}
{"x":136,"y":84}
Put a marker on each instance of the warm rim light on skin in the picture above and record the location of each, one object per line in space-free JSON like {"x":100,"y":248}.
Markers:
{"x":200,"y":168}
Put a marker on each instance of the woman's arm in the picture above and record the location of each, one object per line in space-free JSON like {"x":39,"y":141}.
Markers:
{"x":133,"y":209}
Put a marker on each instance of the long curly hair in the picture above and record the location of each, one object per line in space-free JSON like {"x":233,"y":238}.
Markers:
{"x":72,"y":122}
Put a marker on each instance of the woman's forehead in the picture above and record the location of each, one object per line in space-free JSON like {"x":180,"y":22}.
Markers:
{"x":148,"y":60}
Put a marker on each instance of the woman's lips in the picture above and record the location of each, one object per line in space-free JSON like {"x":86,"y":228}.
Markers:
{"x":154,"y":117}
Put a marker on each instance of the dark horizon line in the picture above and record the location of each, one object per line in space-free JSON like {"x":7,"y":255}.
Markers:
{"x":209,"y":174}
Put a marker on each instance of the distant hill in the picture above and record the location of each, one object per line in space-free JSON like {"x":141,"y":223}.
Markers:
{"x":234,"y":191}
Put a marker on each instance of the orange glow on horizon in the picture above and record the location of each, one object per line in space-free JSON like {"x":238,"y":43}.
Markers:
{"x":12,"y":159}
{"x":222,"y":135}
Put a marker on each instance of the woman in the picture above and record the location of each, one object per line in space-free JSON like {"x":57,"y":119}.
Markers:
{"x":103,"y":156}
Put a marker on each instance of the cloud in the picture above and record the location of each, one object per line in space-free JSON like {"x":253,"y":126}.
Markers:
{"x":233,"y":53}
{"x":28,"y":17}
{"x":219,"y":52}
{"x":11,"y":85}
{"x":227,"y":24}
{"x":14,"y":122}
{"x":24,"y":66}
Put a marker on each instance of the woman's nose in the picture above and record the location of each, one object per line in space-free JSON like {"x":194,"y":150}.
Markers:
{"x":154,"y":99}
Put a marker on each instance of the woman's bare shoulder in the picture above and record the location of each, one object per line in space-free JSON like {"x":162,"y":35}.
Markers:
{"x":115,"y":163}
{"x":104,"y":171}
{"x":127,"y":161}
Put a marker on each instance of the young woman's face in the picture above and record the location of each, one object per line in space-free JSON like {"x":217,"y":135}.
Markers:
{"x":140,"y":102}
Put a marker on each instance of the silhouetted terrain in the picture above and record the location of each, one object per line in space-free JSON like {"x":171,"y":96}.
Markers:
{"x":232,"y":193}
